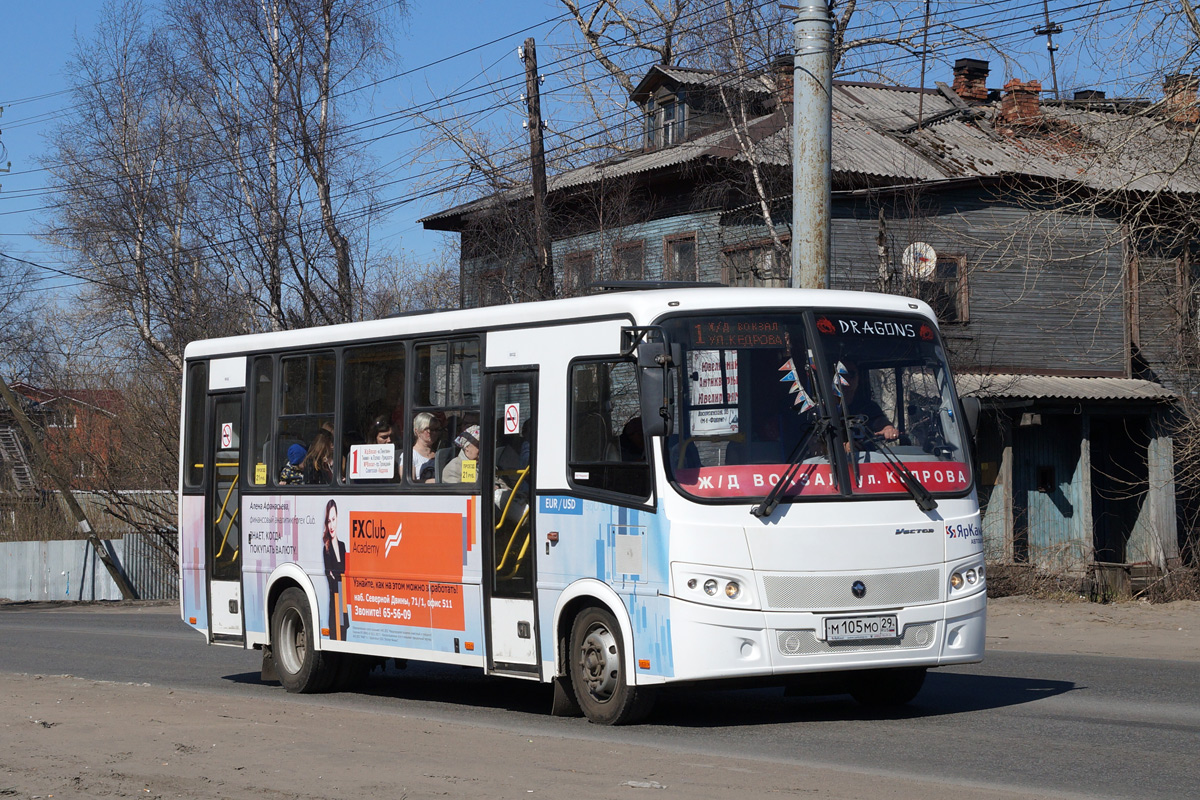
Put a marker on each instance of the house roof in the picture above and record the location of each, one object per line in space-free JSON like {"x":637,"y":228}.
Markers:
{"x":106,"y":400}
{"x":693,"y":77}
{"x":1051,"y":387}
{"x":880,"y":138}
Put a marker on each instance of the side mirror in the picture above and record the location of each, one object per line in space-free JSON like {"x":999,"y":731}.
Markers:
{"x":970,"y":409}
{"x":654,"y":365}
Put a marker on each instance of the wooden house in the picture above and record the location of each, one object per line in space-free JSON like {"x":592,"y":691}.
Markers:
{"x":1048,"y":235}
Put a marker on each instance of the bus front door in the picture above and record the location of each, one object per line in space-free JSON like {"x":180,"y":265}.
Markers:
{"x":509,"y":546}
{"x":223,"y":526}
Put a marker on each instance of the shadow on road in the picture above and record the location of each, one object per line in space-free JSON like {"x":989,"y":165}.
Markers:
{"x":691,"y":707}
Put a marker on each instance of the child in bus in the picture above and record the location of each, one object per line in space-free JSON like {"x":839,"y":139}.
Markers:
{"x":292,"y":471}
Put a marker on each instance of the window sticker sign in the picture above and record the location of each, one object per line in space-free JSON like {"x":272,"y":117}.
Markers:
{"x":226,"y":435}
{"x":714,"y":422}
{"x":512,"y":418}
{"x":714,"y":377}
{"x":372,"y":462}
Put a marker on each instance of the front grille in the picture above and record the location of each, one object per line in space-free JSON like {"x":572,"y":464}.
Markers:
{"x":806,"y":643}
{"x":829,"y":592}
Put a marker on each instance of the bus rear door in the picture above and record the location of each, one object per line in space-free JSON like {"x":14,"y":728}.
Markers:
{"x":509,"y":547}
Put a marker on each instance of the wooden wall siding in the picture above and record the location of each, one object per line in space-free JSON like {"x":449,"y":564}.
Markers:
{"x":1051,"y":522}
{"x":1159,"y":321}
{"x":1046,"y":291}
{"x":704,"y":224}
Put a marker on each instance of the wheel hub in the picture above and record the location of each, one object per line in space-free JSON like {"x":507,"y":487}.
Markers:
{"x":598,"y":659}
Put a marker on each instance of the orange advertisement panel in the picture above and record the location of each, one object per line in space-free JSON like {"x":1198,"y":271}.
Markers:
{"x":419,"y":604}
{"x":405,"y":568}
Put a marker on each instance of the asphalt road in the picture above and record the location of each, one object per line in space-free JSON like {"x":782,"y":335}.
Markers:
{"x":1080,"y":725}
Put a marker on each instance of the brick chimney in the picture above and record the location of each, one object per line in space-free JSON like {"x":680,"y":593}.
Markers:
{"x":1020,"y":102}
{"x":1179,"y":98}
{"x":970,"y":79}
{"x":784,"y":66}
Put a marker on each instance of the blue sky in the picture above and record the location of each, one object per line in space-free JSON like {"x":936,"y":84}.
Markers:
{"x":40,"y":39}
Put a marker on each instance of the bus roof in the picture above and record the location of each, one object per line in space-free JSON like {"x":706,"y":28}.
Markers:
{"x":643,"y":306}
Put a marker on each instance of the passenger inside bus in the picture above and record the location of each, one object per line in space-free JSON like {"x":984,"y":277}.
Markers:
{"x":317,"y":466}
{"x":292,"y":471}
{"x":468,"y":443}
{"x":632,"y":441}
{"x":427,"y":431}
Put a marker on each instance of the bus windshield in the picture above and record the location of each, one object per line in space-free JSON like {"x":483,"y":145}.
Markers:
{"x":762,"y":391}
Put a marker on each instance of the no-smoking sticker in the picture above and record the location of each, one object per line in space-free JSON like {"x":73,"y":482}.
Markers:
{"x":226,"y":435}
{"x":512,"y":418}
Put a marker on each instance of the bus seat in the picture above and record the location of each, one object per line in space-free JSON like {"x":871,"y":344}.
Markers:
{"x":440,"y":459}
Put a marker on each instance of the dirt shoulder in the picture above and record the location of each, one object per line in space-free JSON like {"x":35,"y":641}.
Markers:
{"x":1128,"y":630}
{"x":66,"y":737}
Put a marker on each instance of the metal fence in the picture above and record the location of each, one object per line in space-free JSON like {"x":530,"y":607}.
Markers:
{"x":71,"y":570}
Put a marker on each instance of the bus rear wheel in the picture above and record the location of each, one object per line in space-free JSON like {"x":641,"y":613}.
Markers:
{"x":598,"y":664}
{"x":887,"y":688}
{"x":300,"y":666}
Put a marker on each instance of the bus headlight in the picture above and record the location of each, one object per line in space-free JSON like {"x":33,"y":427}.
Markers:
{"x":710,"y":587}
{"x":732,"y":590}
{"x":966,"y":579}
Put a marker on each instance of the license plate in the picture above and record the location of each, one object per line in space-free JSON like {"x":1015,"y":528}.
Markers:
{"x":851,"y":628}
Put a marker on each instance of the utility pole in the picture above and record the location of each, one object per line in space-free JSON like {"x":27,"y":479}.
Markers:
{"x":114,"y":569}
{"x":537,"y":161}
{"x":1048,"y":30}
{"x":812,"y":146}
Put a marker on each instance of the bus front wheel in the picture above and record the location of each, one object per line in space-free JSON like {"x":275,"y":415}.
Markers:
{"x":598,"y":666}
{"x":300,"y":666}
{"x":887,"y":688}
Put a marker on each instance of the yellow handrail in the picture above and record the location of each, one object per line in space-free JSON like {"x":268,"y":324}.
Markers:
{"x":511,"y":495}
{"x":513,"y":538}
{"x":520,"y":557}
{"x":232,"y":517}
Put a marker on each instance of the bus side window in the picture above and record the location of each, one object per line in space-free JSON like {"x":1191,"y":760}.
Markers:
{"x":193,"y":455}
{"x":447,"y":386}
{"x":306,"y":402}
{"x":372,"y":410}
{"x":605,"y":449}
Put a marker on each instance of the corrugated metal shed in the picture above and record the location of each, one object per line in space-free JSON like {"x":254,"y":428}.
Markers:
{"x":1052,"y":387}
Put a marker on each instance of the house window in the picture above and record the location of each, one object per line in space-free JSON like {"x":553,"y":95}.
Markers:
{"x":666,"y":121}
{"x":61,"y":418}
{"x":579,"y":273}
{"x":491,"y":288}
{"x":680,"y":262}
{"x":944,"y":288}
{"x":629,"y":261}
{"x":758,"y":265}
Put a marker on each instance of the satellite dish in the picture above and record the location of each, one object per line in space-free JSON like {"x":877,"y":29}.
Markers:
{"x":919,"y":260}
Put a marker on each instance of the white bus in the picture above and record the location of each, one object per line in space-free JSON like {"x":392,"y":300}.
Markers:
{"x":610,"y":493}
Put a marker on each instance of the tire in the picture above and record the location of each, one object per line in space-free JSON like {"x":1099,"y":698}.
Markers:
{"x":887,"y":688}
{"x":599,"y":672}
{"x":301,"y":667}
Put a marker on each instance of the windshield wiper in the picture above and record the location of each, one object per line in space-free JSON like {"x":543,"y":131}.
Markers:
{"x":920,"y":494}
{"x":769,"y":503}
